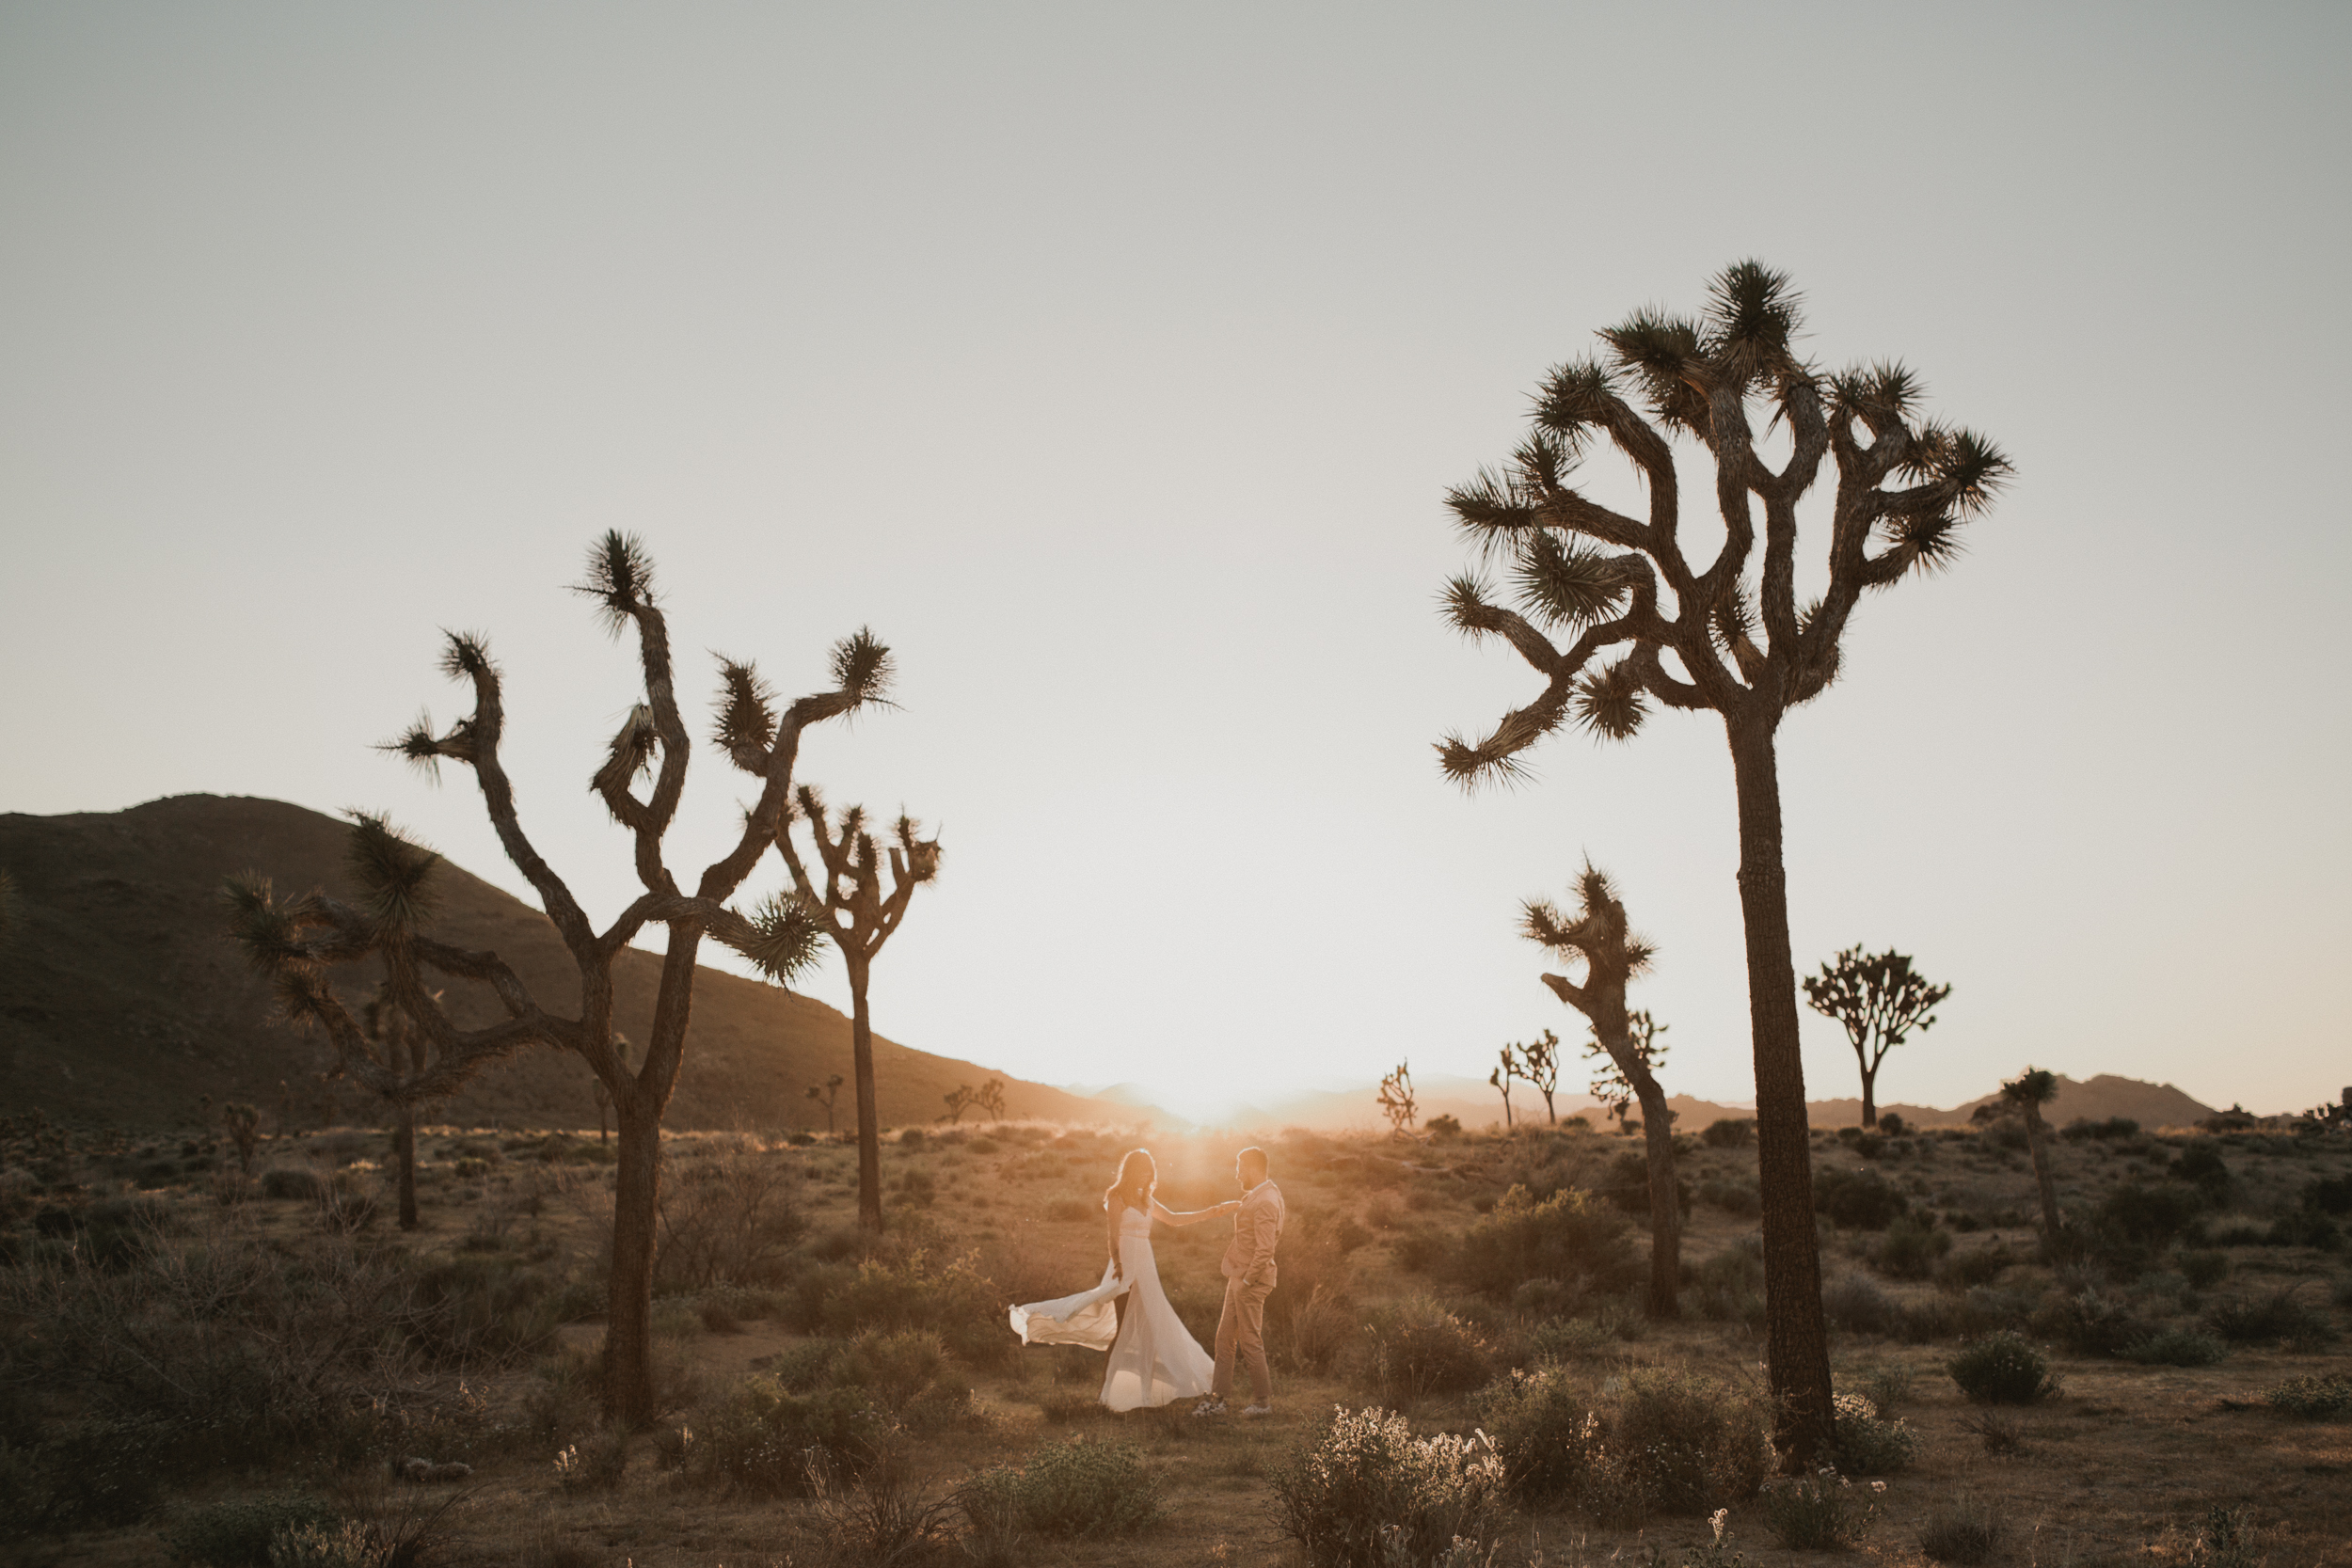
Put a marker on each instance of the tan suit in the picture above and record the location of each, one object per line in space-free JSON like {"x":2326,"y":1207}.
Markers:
{"x":1248,"y":1269}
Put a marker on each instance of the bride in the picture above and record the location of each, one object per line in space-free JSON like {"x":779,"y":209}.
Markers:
{"x":1153,"y":1358}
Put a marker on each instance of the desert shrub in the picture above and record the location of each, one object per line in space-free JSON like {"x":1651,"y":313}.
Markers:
{"x":1565,"y":1237}
{"x":2087,"y":1323}
{"x":238,"y":1531}
{"x":2304,"y":1228}
{"x":2200,"y":1163}
{"x":900,"y":1369}
{"x":1317,"y":1276}
{"x":1729,"y":1287}
{"x":1729,"y":1133}
{"x":1443,"y":1127}
{"x":1363,"y":1492}
{"x":2203,"y":1270}
{"x":2314,"y":1397}
{"x":1856,"y":1200}
{"x":1856,"y":1305}
{"x":595,"y":1465}
{"x":919,"y":1188}
{"x":1911,"y":1248}
{"x":1664,"y":1442}
{"x":2268,"y":1318}
{"x":2111,"y":1129}
{"x":2152,"y":1215}
{"x":1070,"y":1210}
{"x":1569,"y":1340}
{"x":1824,"y":1513}
{"x":1866,"y":1443}
{"x":808,"y":1365}
{"x":762,"y":1439}
{"x":1314,"y":1332}
{"x":1741,"y":1198}
{"x":2328,"y":1195}
{"x":1417,"y":1348}
{"x":911,"y":1289}
{"x":84,"y":1475}
{"x":2002,"y":1436}
{"x":1628,"y":1185}
{"x":561,"y":1400}
{"x":473,"y":1310}
{"x":2175,"y":1347}
{"x":1964,"y":1533}
{"x":1977,"y":1266}
{"x":1893,"y":1125}
{"x":1083,"y":1488}
{"x":728,"y":1216}
{"x":2002,"y":1368}
{"x":1424,"y":1250}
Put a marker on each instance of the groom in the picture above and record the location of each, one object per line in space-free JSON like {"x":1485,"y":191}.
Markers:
{"x":1248,"y":1268}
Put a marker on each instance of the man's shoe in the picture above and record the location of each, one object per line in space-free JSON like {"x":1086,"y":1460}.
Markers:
{"x":1250,"y":1413}
{"x":1209,"y":1407}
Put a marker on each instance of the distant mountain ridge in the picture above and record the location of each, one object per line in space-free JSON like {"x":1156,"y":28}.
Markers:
{"x":124,"y":1002}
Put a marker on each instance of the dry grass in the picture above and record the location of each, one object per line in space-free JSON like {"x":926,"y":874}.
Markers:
{"x":2129,"y":1454}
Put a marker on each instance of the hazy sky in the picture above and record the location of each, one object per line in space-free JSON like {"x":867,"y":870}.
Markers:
{"x":1112,"y":363}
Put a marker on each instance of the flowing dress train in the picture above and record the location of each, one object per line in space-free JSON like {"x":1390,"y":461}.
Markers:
{"x":1153,"y":1358}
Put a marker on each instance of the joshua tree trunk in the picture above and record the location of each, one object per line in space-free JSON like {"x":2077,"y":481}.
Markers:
{"x":869,"y":1214}
{"x":404,"y":1149}
{"x":1797,"y":1346}
{"x":1869,"y":1098}
{"x":1665,"y":1203}
{"x":2038,"y":1144}
{"x":627,"y":1337}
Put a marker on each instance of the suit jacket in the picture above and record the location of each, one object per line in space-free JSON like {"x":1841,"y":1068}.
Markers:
{"x":1257,"y":1229}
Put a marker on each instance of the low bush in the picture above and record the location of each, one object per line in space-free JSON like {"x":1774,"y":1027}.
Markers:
{"x":1424,"y":1250}
{"x":2202,"y":1164}
{"x":1866,"y":1443}
{"x":1823,"y":1513}
{"x":764,"y":1439}
{"x":2314,"y":1397}
{"x":84,"y":1475}
{"x":1565,"y":1236}
{"x":1911,"y":1248}
{"x":2175,"y":1347}
{"x":910,"y":1290}
{"x":1977,"y":1266}
{"x":1729,"y":1287}
{"x":1741,"y":1198}
{"x":1313,"y":1333}
{"x":902,"y":1371}
{"x":595,"y":1465}
{"x":1072,"y":1210}
{"x":2149,"y":1215}
{"x":2113,"y":1128}
{"x":1363,"y":1492}
{"x":238,"y":1532}
{"x":288,"y":1181}
{"x":2328,"y":1194}
{"x":1417,"y":1348}
{"x":1083,"y":1488}
{"x":1664,"y":1442}
{"x":1856,"y":1305}
{"x":1628,"y":1186}
{"x":1964,"y":1533}
{"x":1856,"y":1200}
{"x":1571,"y":1339}
{"x":2089,"y":1323}
{"x":2002,"y":1368}
{"x":474,"y":1310}
{"x":1729,"y":1133}
{"x":2302,"y":1227}
{"x":2203,"y":1270}
{"x":2269,"y":1319}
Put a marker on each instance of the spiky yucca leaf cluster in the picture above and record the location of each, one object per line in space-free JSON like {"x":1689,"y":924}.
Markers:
{"x":787,"y":938}
{"x":1596,"y":934}
{"x":747,"y":716}
{"x":395,"y":873}
{"x":620,"y":578}
{"x":862,"y":667}
{"x":630,"y":754}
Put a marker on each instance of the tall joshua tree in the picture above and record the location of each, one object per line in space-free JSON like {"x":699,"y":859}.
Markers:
{"x":1539,"y":1064}
{"x":1598,"y":938}
{"x":859,"y":913}
{"x":782,"y":940}
{"x":1879,"y":998}
{"x":1624,"y":593}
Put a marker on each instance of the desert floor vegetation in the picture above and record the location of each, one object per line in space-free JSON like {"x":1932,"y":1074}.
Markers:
{"x":200,"y":1362}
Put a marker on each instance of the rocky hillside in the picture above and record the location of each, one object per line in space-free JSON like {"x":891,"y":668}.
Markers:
{"x":124,"y":1001}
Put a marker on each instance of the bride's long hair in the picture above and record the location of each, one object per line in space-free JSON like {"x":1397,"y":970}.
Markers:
{"x":1137,"y":1177}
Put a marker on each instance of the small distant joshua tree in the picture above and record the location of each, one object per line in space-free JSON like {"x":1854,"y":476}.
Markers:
{"x":1396,"y":1101}
{"x":1500,"y":1078}
{"x":1879,"y":998}
{"x":1539,"y":1064}
{"x":243,"y":1124}
{"x":782,"y":939}
{"x":1598,"y":938}
{"x":825,"y":1094}
{"x":1619,"y":587}
{"x":859,"y":913}
{"x":989,"y":1099}
{"x":2024,"y":1096}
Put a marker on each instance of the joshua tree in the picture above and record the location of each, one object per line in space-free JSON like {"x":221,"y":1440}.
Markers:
{"x":399,"y":1043}
{"x":1539,"y":1064}
{"x":859,"y":914}
{"x":1500,"y":1079}
{"x":1609,"y":1085}
{"x":604,"y":1095}
{"x":243,"y":1124}
{"x":2024,"y":1096}
{"x":1396,"y":1101}
{"x":825,"y":1094}
{"x":1743,"y":647}
{"x":989,"y":1098}
{"x":780,"y":939}
{"x":1880,"y":999}
{"x":1598,"y":938}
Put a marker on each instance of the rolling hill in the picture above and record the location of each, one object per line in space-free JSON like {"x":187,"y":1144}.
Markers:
{"x":123,"y":1002}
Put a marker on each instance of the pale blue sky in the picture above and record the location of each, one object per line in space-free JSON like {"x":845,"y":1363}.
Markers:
{"x":1112,"y":365}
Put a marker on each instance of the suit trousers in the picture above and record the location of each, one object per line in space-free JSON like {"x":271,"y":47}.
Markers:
{"x":1241,"y":1327}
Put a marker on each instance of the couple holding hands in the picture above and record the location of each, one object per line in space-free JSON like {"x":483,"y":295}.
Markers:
{"x":1153,"y":1358}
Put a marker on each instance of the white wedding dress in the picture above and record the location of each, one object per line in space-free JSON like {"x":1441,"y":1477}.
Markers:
{"x":1155,"y":1359}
